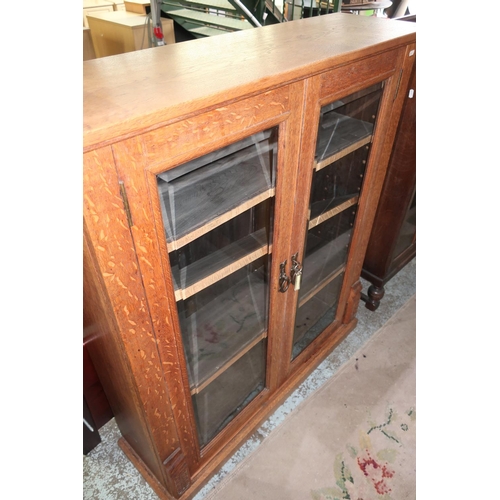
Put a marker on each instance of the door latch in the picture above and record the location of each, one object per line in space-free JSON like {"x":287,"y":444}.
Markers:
{"x":295,"y":275}
{"x":284,"y":281}
{"x":296,"y":272}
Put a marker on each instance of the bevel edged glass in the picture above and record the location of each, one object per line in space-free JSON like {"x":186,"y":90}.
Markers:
{"x":218,"y":213}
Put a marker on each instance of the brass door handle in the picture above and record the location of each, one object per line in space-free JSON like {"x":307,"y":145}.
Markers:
{"x":295,"y":275}
{"x":284,"y":280}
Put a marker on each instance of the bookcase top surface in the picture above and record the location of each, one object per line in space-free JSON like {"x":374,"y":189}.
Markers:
{"x":130,"y":93}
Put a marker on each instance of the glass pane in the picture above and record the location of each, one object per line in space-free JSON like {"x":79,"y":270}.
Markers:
{"x":224,"y":319}
{"x":217,"y":404}
{"x":218,"y":216}
{"x":343,"y":145}
{"x":347,"y":124}
{"x":222,"y":184}
{"x":338,"y":182}
{"x":327,"y":247}
{"x":409,"y":228}
{"x":316,"y":314}
{"x":217,"y":252}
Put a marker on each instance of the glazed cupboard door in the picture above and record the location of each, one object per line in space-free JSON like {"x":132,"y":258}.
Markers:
{"x":344,"y":136}
{"x":218,"y":214}
{"x":219,"y":221}
{"x":345,"y":149}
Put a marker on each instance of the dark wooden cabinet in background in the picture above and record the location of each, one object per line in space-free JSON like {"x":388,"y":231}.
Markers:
{"x":230,"y":186}
{"x":393,"y":240}
{"x":96,"y":409}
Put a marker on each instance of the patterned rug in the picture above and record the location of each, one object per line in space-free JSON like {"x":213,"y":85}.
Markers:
{"x":353,"y":439}
{"x":373,"y":466}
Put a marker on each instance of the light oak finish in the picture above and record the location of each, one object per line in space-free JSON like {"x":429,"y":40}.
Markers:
{"x":344,"y":152}
{"x":95,"y":6}
{"x":320,"y":285}
{"x":217,"y":221}
{"x":148,"y":112}
{"x":134,"y":110}
{"x":217,"y":266}
{"x":118,"y":32}
{"x":331,"y":213}
{"x":88,"y":46}
{"x":229,"y":363}
{"x":137,"y":6}
{"x":119,"y":5}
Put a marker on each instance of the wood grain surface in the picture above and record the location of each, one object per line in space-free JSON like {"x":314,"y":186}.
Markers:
{"x":131,"y":93}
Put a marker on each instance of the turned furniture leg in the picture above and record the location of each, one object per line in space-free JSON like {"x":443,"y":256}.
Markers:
{"x":375,"y":295}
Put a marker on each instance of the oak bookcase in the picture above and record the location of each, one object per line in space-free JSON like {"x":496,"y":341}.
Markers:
{"x":230,"y":186}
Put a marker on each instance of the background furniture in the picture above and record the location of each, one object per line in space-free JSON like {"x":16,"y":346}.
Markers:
{"x":93,"y":6}
{"x":119,"y":32}
{"x":393,"y":239}
{"x":119,"y":5}
{"x":96,"y":409}
{"x":398,"y":9}
{"x":88,"y":46}
{"x":138,"y":6}
{"x":356,"y":7}
{"x":309,"y":8}
{"x":229,"y":195}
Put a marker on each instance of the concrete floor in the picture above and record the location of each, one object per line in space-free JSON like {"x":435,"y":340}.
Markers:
{"x":107,"y":473}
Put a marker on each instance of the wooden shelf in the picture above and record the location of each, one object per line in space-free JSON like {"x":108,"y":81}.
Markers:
{"x":229,"y":363}
{"x":217,"y":221}
{"x":229,"y":393}
{"x":200,"y":201}
{"x":216,"y":266}
{"x":317,"y":264}
{"x":225,"y":329}
{"x":338,"y":136}
{"x":316,"y":314}
{"x":324,"y":216}
{"x":344,"y":152}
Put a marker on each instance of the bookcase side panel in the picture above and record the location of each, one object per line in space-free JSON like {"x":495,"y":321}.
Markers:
{"x":132,"y":352}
